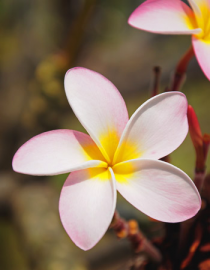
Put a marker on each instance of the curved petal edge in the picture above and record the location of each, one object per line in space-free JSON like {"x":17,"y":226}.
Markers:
{"x":87,"y":204}
{"x":164,"y":17}
{"x":158,"y":189}
{"x":57,"y":151}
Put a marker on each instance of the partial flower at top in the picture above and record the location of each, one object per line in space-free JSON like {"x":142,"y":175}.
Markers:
{"x":175,"y":17}
{"x":119,"y":154}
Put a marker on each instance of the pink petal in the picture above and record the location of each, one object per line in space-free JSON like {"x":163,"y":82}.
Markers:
{"x":56,"y":152}
{"x":158,"y":189}
{"x":164,"y":17}
{"x":156,"y":129}
{"x":202,"y":52}
{"x":99,"y":107}
{"x":87,"y":205}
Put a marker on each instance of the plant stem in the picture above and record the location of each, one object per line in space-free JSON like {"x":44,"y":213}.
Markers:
{"x":199,"y":179}
{"x":180,"y":72}
{"x":156,"y":82}
{"x":186,"y":225}
{"x":137,"y":239}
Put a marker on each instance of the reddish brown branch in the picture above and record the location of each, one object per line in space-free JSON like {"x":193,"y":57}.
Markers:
{"x":180,"y":72}
{"x":156,"y":83}
{"x":137,"y":239}
{"x":186,"y":226}
{"x":201,"y":144}
{"x":193,"y":247}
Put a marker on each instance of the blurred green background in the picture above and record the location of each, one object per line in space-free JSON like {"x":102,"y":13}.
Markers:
{"x":39,"y":42}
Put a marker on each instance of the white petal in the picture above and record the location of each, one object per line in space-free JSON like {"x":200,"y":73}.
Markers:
{"x":164,"y":17}
{"x":158,"y":189}
{"x":156,"y":129}
{"x":202,"y":53}
{"x":99,"y":106}
{"x":56,"y":152}
{"x":87,"y":205}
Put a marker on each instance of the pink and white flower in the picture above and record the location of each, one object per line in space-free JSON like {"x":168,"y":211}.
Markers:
{"x":120,"y":154}
{"x":175,"y":17}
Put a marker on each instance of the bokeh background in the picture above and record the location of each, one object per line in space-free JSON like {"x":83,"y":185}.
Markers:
{"x":39,"y":41}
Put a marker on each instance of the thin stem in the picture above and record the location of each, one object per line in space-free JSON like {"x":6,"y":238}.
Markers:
{"x":139,"y":242}
{"x":184,"y":233}
{"x":199,"y":179}
{"x":180,"y":72}
{"x":183,"y":63}
{"x":194,"y":246}
{"x":77,"y":33}
{"x":186,"y":225}
{"x":156,"y":83}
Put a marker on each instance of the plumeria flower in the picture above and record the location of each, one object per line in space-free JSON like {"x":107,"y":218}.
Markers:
{"x":175,"y":17}
{"x":120,"y":154}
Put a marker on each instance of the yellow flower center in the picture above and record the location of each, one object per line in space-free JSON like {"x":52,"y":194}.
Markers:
{"x":126,"y":151}
{"x":113,"y":156}
{"x":203,"y":22}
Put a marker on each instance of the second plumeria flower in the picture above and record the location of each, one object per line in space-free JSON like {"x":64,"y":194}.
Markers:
{"x":175,"y":17}
{"x":120,"y":154}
